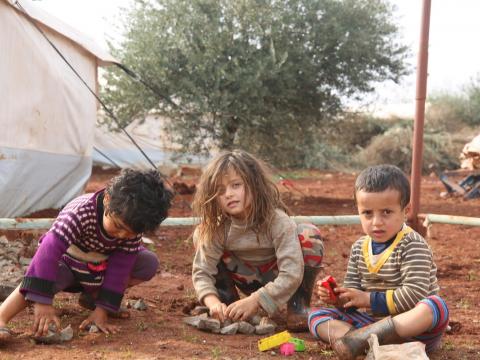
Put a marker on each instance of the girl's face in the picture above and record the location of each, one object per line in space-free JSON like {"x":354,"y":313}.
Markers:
{"x":381,"y":214}
{"x":234,"y":199}
{"x":114,"y":226}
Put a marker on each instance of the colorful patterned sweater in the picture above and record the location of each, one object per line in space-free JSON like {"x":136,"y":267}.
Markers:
{"x":283,"y":245}
{"x":80,"y":224}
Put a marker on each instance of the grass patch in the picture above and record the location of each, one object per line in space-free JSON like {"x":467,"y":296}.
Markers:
{"x":464,"y":304}
{"x":190,"y":337}
{"x":216,"y":352}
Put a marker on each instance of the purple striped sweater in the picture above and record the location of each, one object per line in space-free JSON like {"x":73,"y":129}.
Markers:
{"x":79,"y":223}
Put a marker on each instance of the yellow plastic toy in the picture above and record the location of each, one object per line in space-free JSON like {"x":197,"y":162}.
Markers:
{"x":274,"y":340}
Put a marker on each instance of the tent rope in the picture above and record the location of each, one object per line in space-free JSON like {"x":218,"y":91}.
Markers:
{"x":106,"y":157}
{"x":107,"y":110}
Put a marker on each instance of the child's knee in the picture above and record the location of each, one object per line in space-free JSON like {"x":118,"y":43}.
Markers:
{"x":317,"y":320}
{"x":311,"y":244}
{"x":146,"y":266}
{"x":308,"y":231}
{"x":434,"y":308}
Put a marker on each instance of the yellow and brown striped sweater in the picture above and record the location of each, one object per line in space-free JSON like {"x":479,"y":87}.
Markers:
{"x":405,"y":271}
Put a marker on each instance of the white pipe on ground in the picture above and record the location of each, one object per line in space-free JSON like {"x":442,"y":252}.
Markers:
{"x":38,"y":224}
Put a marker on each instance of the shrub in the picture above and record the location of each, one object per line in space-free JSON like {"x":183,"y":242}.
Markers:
{"x":453,"y":111}
{"x":395,"y":147}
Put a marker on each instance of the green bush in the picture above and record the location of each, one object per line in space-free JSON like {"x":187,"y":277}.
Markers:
{"x":395,"y":147}
{"x":453,"y":111}
{"x":293,"y":147}
{"x":447,"y":112}
{"x":354,"y":131}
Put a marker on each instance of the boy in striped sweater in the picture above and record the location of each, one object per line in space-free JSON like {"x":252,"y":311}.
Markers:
{"x":94,"y":247}
{"x":390,"y":288}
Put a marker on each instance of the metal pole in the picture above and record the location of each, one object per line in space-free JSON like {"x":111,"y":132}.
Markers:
{"x":451,"y":219}
{"x":421,"y":95}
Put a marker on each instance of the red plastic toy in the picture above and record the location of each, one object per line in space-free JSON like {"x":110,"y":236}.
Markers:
{"x":287,"y":349}
{"x":329,"y":283}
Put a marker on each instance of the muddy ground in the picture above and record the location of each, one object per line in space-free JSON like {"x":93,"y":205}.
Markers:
{"x":158,"y":332}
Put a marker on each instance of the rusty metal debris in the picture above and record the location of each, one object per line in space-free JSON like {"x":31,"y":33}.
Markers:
{"x":468,"y":187}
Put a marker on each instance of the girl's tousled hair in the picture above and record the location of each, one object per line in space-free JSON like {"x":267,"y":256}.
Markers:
{"x":259,"y":187}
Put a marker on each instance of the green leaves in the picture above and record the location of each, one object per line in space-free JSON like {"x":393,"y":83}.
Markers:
{"x":266,"y":67}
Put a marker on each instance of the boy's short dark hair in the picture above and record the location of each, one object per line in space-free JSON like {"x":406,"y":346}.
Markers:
{"x":139,"y":198}
{"x":382,"y":177}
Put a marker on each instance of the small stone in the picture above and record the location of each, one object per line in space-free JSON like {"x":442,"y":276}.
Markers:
{"x":180,"y":287}
{"x":93,"y":329}
{"x":255,"y":320}
{"x":66,"y":334}
{"x":264,"y":329}
{"x":140,"y":305}
{"x":267,"y":321}
{"x":209,"y":324}
{"x":194,"y":320}
{"x":229,"y":329}
{"x":227,"y":322}
{"x":245,"y":328}
{"x":53,"y":337}
{"x":199,"y":310}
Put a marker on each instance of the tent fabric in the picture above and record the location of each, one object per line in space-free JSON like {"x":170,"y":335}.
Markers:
{"x":43,"y":18}
{"x":116,"y":149}
{"x":47,"y":115}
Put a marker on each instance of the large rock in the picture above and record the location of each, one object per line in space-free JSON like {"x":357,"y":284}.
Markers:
{"x":229,"y":329}
{"x":54,"y":337}
{"x":245,"y":328}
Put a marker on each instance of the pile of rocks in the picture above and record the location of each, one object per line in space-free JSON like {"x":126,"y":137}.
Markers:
{"x":256,"y":325}
{"x":12,"y":262}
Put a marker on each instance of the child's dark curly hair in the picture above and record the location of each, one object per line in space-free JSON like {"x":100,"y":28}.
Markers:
{"x":139,"y":198}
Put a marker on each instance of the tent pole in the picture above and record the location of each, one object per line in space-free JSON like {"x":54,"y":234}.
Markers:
{"x":421,"y":94}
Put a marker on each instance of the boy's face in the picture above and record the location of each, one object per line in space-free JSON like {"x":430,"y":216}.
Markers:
{"x":381,"y":214}
{"x":233,"y":198}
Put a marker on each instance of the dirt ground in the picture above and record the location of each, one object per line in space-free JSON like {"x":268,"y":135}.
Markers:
{"x":158,"y":332}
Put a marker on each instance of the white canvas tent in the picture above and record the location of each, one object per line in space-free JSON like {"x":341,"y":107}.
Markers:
{"x":47,"y":116}
{"x":116,"y":149}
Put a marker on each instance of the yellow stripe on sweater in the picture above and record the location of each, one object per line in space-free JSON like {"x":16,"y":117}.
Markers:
{"x":386,"y":254}
{"x":392,"y":309}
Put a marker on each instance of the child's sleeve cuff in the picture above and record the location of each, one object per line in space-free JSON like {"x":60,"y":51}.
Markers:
{"x":266,"y":302}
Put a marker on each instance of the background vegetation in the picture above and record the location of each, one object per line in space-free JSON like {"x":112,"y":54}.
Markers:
{"x":271,"y":76}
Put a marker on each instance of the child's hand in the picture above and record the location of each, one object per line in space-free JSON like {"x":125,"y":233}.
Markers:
{"x":353,"y":297}
{"x":216,"y":308}
{"x":323,"y":293}
{"x":243,"y":309}
{"x":44,"y":315}
{"x":217,"y":311}
{"x":99,"y":317}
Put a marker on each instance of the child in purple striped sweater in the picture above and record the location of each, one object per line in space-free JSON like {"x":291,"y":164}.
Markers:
{"x":94,"y":247}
